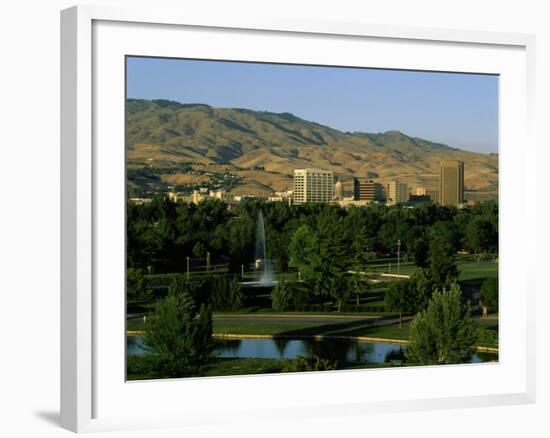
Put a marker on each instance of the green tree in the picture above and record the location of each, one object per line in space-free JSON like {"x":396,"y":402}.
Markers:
{"x":223,"y":293}
{"x":489,"y":294}
{"x":481,"y":235}
{"x":409,"y":296}
{"x":417,"y":245}
{"x":178,"y":333}
{"x":199,"y":250}
{"x":358,"y":284}
{"x":240,"y":239}
{"x":136,"y":286}
{"x":443,"y":270}
{"x":340,"y":288}
{"x":303,"y":251}
{"x":281,"y":297}
{"x":235,"y":294}
{"x":320,"y":253}
{"x":422,"y":289}
{"x":397,"y":298}
{"x":444,"y":333}
{"x":289,"y":296}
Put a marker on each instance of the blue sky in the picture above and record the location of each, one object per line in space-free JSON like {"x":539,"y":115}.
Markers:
{"x":460,"y":110}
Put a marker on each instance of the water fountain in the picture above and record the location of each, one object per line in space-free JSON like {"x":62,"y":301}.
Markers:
{"x":266,"y":277}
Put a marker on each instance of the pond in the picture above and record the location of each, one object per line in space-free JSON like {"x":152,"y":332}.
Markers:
{"x":332,"y":349}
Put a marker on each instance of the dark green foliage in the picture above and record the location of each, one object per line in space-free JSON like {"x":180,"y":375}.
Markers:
{"x":481,"y":235}
{"x":409,"y":296}
{"x":225,"y":293}
{"x":321,"y":241}
{"x":179,"y":333}
{"x":136,"y":286}
{"x":302,"y":363}
{"x":199,"y":250}
{"x":287,"y":296}
{"x":397,"y":298}
{"x":489,"y":294}
{"x":443,"y":270}
{"x":444,"y":333}
{"x":281,"y":297}
{"x":488,"y":337}
{"x":320,"y":254}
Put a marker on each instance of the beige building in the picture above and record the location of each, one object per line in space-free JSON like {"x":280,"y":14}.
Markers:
{"x":313,"y":185}
{"x":365,"y":189}
{"x":397,"y":192}
{"x":432,"y":192}
{"x":451,"y":183}
{"x":338,"y":190}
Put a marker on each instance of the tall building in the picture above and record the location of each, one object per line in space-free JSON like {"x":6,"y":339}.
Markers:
{"x":431,"y":192}
{"x":365,"y":189}
{"x":451,"y":183}
{"x":397,"y":192}
{"x":313,"y":185}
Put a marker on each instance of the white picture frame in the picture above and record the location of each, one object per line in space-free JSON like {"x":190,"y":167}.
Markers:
{"x":93,"y":396}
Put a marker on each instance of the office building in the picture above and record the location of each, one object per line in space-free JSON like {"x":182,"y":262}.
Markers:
{"x":451,"y":183}
{"x":397,"y":192}
{"x":313,"y":185}
{"x":431,"y":192}
{"x":365,"y":189}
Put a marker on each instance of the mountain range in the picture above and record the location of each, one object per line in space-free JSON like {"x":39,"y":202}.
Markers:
{"x":185,"y":146}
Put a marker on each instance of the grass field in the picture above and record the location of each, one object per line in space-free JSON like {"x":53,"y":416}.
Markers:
{"x":359,"y":328}
{"x":140,"y":367}
{"x":472,"y":274}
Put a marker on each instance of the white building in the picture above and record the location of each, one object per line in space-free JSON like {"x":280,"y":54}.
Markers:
{"x":313,"y":185}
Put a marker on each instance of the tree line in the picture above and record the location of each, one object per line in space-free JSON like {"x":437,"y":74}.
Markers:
{"x":162,"y":233}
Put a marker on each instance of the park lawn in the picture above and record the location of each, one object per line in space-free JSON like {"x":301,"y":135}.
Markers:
{"x":301,"y":329}
{"x":388,"y":331}
{"x":490,"y":326}
{"x":140,"y":367}
{"x":134,"y":326}
{"x":474,"y":270}
{"x":245,"y":328}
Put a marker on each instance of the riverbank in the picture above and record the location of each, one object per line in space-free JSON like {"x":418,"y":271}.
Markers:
{"x":239,"y":336}
{"x":141,"y":367}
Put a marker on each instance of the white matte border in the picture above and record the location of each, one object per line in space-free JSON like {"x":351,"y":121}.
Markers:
{"x":189,"y":401}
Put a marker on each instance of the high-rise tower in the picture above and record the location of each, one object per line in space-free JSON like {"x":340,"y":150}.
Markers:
{"x":313,"y":185}
{"x":451,"y":183}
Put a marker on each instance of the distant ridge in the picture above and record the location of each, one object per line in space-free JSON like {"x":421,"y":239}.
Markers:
{"x":182,"y":145}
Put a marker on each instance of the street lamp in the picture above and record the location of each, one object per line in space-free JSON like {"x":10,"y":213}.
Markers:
{"x":398,"y":254}
{"x":187,"y":267}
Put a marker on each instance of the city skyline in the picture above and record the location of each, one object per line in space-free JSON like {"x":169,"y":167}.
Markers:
{"x":460,"y":110}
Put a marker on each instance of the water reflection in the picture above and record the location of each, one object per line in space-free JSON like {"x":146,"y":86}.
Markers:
{"x":339,"y":350}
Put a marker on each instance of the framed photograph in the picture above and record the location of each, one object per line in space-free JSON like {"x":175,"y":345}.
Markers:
{"x":285,"y":217}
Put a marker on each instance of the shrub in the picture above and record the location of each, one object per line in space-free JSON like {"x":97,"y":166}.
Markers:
{"x":224,"y":294}
{"x":289,"y":296}
{"x":443,"y":333}
{"x":178,"y":333}
{"x":489,"y":294}
{"x":281,"y":297}
{"x":136,"y":285}
{"x":302,"y":363}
